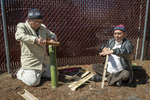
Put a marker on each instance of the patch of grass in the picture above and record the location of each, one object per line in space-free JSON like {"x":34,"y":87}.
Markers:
{"x":134,"y":64}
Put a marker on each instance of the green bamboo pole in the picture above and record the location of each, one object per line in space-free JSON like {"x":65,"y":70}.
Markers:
{"x":53,"y":61}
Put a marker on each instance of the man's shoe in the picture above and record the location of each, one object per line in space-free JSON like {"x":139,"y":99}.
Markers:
{"x":13,"y":74}
{"x":119,"y":83}
{"x":96,"y":78}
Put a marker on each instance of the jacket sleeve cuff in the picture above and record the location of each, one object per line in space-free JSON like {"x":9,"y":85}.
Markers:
{"x":54,"y":37}
{"x":114,"y":51}
{"x":36,"y":39}
{"x":32,"y":40}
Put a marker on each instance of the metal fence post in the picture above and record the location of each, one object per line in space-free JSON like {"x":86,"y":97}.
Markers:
{"x":146,"y":16}
{"x":53,"y":61}
{"x":5,"y":35}
{"x":147,"y":43}
{"x":139,"y":28}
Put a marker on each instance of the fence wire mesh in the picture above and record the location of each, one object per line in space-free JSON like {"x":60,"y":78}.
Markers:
{"x":147,"y":44}
{"x":3,"y":67}
{"x":81,"y":26}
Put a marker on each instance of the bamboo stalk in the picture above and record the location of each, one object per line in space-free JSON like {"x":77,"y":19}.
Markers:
{"x":53,"y":61}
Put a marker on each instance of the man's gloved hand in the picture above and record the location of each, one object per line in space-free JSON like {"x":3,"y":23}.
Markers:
{"x":41,"y":41}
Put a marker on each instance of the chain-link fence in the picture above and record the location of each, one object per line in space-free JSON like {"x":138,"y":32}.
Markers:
{"x":82,"y":26}
{"x":147,"y":44}
{"x":3,"y":67}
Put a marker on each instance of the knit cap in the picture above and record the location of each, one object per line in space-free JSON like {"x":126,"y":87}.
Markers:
{"x":120,"y":27}
{"x":34,"y":14}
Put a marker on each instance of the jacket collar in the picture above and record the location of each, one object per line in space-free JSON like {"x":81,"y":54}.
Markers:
{"x":113,"y":42}
{"x":30,"y":28}
{"x":123,"y":40}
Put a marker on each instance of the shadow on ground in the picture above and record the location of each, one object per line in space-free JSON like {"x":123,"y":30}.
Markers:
{"x":140,"y":77}
{"x":66,"y":75}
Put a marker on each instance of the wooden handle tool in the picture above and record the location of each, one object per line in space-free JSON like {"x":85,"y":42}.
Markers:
{"x":104,"y":72}
{"x":52,"y":43}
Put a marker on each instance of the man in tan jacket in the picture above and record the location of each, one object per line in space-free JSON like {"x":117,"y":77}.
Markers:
{"x":32,"y":35}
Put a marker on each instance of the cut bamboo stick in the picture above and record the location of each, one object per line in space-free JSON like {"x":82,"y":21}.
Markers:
{"x":52,"y":43}
{"x":27,"y":95}
{"x":71,"y":85}
{"x":80,"y":82}
{"x":104,"y":72}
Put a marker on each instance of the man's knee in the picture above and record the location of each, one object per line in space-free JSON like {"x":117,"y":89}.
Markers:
{"x":32,"y":82}
{"x":29,"y":77}
{"x":125,"y":75}
{"x":96,"y":66}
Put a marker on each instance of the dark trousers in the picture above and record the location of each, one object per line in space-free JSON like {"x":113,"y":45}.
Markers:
{"x":111,"y":78}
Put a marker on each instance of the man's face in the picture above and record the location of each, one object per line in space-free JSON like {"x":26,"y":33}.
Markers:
{"x":119,"y":35}
{"x":35,"y":23}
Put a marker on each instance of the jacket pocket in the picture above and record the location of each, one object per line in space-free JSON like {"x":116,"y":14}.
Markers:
{"x":47,"y":60}
{"x":29,"y":61}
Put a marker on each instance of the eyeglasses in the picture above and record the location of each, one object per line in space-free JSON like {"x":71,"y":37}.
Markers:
{"x":117,"y":33}
{"x":36,"y":22}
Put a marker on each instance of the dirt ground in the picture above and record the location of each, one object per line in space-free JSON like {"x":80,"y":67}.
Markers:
{"x":139,"y":89}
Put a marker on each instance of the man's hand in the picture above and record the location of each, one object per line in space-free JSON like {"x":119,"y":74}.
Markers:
{"x":52,"y":40}
{"x":105,"y":49}
{"x":41,"y":41}
{"x":106,"y":52}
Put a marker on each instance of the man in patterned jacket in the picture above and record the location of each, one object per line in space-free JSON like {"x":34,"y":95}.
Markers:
{"x":119,"y":61}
